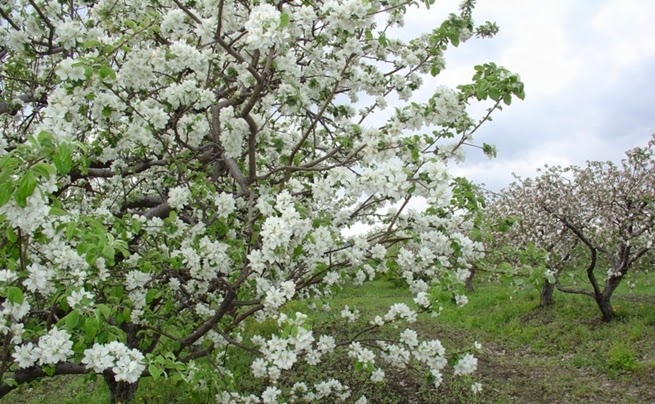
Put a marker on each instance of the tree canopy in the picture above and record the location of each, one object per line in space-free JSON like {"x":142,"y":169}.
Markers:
{"x":171,"y":170}
{"x":605,"y":209}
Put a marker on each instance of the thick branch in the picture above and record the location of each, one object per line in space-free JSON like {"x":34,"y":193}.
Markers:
{"x":30,"y":374}
{"x":11,"y":108}
{"x":160,"y":211}
{"x":573,"y":291}
{"x":592,"y":249}
{"x":209,"y":324}
{"x":236,"y":173}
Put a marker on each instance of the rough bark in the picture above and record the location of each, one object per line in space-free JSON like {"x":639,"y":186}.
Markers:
{"x":35,"y":372}
{"x":547,"y":294}
{"x":120,"y":392}
{"x":605,"y":308}
{"x":603,"y":299}
{"x":469,"y":280}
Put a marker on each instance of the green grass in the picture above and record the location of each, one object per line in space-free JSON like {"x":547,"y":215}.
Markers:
{"x":530,"y":354}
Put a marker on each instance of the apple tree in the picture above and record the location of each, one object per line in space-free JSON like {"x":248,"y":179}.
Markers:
{"x":174,"y":170}
{"x":601,"y":216}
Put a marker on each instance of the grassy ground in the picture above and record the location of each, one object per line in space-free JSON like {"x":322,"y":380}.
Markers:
{"x":562,"y":354}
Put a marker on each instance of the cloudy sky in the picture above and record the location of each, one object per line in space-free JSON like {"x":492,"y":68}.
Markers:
{"x":589,"y":71}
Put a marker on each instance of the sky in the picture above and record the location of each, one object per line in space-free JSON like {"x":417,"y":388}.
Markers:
{"x":589,"y":73}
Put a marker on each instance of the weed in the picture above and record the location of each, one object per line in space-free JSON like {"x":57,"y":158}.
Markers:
{"x":621,"y":357}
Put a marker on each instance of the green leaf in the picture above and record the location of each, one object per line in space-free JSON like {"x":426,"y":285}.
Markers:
{"x":55,"y":211}
{"x":297,"y":252}
{"x":118,"y":318}
{"x":14,"y":294}
{"x":121,"y":246}
{"x":454,"y":39}
{"x":507,"y":99}
{"x":63,"y":158}
{"x":108,"y":251}
{"x":96,"y":225}
{"x":45,"y":138}
{"x":88,"y":71}
{"x":117,"y":292}
{"x":72,"y":319}
{"x":435,"y":70}
{"x":11,"y":234}
{"x":154,"y":371}
{"x":26,"y":187}
{"x":136,"y":226}
{"x":415,"y":154}
{"x":91,"y":256}
{"x":71,"y":228}
{"x":104,"y":310}
{"x":494,"y":94}
{"x":130,"y":24}
{"x":106,"y":72}
{"x":6,"y":190}
{"x":49,"y":370}
{"x":284,"y":20}
{"x":91,"y":328}
{"x":489,"y":150}
{"x":43,"y":170}
{"x":92,"y":43}
{"x":481,"y":93}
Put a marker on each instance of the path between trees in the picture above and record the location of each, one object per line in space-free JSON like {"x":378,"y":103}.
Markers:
{"x":523,"y":376}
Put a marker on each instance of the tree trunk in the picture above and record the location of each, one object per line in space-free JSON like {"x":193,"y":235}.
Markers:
{"x":469,"y":281}
{"x":120,"y":392}
{"x":547,"y":294}
{"x":605,"y":308}
{"x":603,"y":300}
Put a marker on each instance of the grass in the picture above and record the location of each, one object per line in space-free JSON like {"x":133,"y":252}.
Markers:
{"x":558,"y":354}
{"x":567,"y":349}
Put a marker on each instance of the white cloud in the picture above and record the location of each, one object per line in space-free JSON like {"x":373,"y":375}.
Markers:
{"x":574,"y":149}
{"x":625,"y":29}
{"x":537,"y":44}
{"x":587,"y":68}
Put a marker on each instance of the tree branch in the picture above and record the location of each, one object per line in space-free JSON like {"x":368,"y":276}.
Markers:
{"x":23,"y":376}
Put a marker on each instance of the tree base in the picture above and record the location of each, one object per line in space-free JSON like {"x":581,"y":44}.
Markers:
{"x":120,"y":392}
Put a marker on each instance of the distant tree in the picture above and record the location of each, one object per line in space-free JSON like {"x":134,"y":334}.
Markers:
{"x":606,"y":209}
{"x":536,"y":244}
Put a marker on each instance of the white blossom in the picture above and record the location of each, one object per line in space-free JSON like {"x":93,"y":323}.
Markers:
{"x":54,"y":347}
{"x":461,"y":300}
{"x":25,"y":355}
{"x":466,"y":365}
{"x":178,"y":197}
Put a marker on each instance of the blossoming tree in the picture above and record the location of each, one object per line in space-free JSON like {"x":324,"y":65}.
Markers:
{"x":606,"y":210}
{"x":521,"y":234}
{"x":171,"y":170}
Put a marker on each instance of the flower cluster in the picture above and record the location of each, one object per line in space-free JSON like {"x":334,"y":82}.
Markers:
{"x":126,"y":364}
{"x":54,"y":347}
{"x":466,"y":365}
